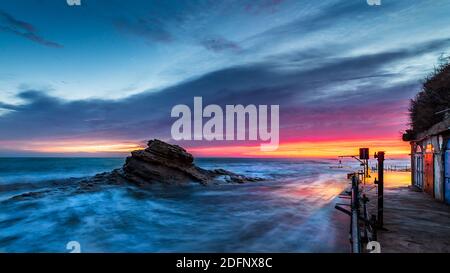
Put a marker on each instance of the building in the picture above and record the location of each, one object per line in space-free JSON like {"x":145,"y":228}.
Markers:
{"x":430,"y":160}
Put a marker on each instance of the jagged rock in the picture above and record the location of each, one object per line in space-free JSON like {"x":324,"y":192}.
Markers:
{"x":160,"y":162}
{"x":165,"y":163}
{"x":30,"y":195}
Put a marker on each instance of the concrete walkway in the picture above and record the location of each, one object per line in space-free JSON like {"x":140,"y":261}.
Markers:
{"x":415,"y":222}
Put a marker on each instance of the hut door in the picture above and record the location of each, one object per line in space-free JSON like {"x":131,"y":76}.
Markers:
{"x":418,"y":174}
{"x":429,"y":170}
{"x":419,"y":171}
{"x":447,"y":174}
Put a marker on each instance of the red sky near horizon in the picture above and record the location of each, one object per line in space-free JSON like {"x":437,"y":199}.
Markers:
{"x":395,"y":148}
{"x":316,"y":141}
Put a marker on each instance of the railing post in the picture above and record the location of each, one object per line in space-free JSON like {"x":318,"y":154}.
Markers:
{"x":380,"y":182}
{"x":356,"y":235}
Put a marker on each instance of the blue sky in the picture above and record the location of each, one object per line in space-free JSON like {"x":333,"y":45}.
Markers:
{"x":113,"y":69}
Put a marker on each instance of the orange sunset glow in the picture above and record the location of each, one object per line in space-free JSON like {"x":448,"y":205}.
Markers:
{"x":322,"y":149}
{"x":75,"y":146}
{"x":307,"y":149}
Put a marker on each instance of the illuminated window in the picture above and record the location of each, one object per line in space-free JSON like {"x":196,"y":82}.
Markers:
{"x":418,"y":149}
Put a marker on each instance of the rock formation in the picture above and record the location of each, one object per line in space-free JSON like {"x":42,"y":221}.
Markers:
{"x":165,"y":163}
{"x":160,"y":162}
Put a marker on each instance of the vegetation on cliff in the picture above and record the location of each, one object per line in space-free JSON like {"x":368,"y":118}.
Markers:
{"x":427,"y":108}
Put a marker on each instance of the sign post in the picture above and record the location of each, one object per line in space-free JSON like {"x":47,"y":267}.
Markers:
{"x":364,"y":156}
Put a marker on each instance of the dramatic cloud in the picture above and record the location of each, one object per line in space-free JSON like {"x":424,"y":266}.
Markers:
{"x":340,"y":70}
{"x":366,"y":104}
{"x":23,"y":29}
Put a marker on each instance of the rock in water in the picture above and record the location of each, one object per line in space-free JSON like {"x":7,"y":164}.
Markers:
{"x":160,"y":162}
{"x":165,"y":163}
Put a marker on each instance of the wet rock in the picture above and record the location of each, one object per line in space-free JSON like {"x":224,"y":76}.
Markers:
{"x":161,"y":162}
{"x":30,"y":195}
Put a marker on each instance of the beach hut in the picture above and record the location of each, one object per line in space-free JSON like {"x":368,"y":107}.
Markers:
{"x":430,"y":161}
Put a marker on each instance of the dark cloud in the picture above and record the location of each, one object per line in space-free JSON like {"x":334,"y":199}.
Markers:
{"x":220,"y":44}
{"x":7,"y":106}
{"x":23,"y":29}
{"x":307,"y":97}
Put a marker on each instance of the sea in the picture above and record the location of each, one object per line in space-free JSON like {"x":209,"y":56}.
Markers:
{"x":292,"y":210}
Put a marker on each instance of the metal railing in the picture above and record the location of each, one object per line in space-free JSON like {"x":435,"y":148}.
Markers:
{"x":362,"y":228}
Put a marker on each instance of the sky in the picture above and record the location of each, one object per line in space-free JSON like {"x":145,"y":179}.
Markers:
{"x":100,"y":79}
